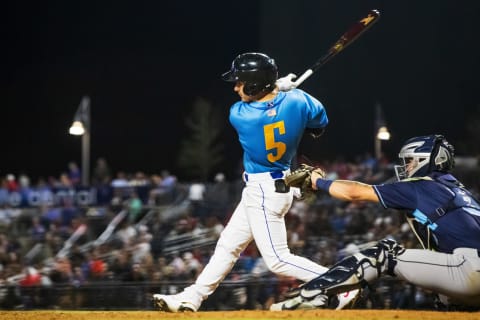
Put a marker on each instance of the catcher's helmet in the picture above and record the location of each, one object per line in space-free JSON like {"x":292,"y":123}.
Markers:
{"x":257,"y":71}
{"x":429,"y":153}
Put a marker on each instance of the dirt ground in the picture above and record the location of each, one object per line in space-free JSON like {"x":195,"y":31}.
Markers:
{"x":233,"y":315}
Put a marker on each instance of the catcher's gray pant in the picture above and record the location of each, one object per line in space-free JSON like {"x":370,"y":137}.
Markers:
{"x":456,"y":275}
{"x":259,"y":216}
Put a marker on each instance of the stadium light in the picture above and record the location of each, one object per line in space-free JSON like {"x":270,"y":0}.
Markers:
{"x":77,"y":128}
{"x":383,"y":133}
{"x":81,"y":127}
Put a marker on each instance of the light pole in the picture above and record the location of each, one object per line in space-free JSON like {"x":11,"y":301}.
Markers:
{"x":382,"y":134}
{"x":381,"y":131}
{"x":81,"y":127}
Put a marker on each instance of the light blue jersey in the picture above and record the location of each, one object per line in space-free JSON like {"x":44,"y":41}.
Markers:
{"x":270,"y":131}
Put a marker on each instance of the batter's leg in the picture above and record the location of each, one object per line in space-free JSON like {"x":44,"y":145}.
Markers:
{"x":233,"y":240}
{"x":269,"y":231}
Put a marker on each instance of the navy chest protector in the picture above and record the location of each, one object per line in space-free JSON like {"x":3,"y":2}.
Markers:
{"x":423,"y":224}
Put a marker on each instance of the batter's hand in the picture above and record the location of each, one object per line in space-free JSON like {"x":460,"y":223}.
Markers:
{"x":286,"y":83}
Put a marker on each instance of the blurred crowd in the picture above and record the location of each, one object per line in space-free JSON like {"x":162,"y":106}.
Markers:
{"x":154,"y":233}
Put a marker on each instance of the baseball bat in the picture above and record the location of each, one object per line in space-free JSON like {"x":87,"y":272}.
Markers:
{"x":355,"y":31}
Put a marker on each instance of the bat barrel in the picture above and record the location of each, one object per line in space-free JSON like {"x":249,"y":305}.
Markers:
{"x":346,"y":39}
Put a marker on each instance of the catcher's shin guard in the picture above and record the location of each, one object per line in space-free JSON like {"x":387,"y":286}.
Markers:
{"x":349,"y":273}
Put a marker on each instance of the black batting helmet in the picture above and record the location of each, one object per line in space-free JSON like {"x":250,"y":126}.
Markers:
{"x":257,"y":71}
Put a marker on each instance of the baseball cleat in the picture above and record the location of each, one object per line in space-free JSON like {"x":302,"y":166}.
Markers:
{"x":346,"y":300}
{"x":340,"y":301}
{"x":299,"y":303}
{"x":170,"y":303}
{"x":293,"y":292}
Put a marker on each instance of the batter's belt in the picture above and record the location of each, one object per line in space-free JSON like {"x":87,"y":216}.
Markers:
{"x":264,"y":176}
{"x":275,"y":176}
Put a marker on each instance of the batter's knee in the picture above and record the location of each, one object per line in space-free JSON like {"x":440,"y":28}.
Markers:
{"x":278,"y":263}
{"x":273,"y":264}
{"x":228,"y":248}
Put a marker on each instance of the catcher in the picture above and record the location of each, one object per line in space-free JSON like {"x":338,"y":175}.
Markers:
{"x":442,"y":213}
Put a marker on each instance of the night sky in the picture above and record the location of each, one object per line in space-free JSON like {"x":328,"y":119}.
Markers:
{"x":143,"y":63}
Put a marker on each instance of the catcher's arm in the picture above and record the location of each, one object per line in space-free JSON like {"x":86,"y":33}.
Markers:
{"x":345,"y":190}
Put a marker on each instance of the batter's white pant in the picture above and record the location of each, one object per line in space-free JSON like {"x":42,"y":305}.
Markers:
{"x":259,"y":216}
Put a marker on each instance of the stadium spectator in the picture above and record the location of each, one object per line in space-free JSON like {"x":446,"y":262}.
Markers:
{"x":102,"y":173}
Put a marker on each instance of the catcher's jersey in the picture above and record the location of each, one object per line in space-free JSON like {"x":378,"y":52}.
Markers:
{"x":270,"y":131}
{"x":456,"y":227}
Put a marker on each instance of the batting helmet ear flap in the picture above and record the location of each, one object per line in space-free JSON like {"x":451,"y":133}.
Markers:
{"x":253,"y":89}
{"x":250,"y":89}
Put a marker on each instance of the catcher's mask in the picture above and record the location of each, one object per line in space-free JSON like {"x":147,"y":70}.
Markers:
{"x":420,"y":156}
{"x":257,"y":71}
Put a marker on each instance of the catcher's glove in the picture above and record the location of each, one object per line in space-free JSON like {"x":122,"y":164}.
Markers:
{"x":301,"y":178}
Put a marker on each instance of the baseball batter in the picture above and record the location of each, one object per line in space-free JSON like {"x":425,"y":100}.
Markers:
{"x":442,"y":213}
{"x":270,"y":124}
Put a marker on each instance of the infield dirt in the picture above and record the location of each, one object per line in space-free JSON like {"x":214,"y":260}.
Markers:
{"x":245,"y":315}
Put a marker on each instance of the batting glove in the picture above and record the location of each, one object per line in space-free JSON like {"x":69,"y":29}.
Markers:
{"x":286,"y":83}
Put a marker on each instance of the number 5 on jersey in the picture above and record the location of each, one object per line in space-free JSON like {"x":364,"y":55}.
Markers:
{"x":270,"y":143}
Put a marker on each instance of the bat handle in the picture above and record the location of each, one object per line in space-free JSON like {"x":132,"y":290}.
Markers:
{"x":303,"y":77}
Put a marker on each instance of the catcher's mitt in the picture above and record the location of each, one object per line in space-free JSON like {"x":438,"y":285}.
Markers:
{"x":301,"y":178}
